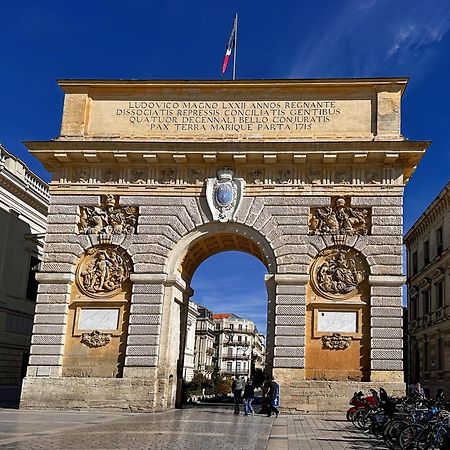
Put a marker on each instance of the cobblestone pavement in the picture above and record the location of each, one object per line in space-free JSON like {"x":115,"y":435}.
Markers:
{"x":188,"y":429}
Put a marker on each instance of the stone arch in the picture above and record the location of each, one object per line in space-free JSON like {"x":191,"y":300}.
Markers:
{"x":184,"y":258}
{"x":338,"y":315}
{"x":226,"y":236}
{"x":98,"y":313}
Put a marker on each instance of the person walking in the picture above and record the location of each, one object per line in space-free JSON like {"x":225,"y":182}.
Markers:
{"x":273,"y":396}
{"x":238,"y":384}
{"x":249,"y":395}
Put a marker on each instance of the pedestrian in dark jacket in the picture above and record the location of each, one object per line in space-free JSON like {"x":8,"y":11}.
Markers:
{"x":273,"y":396}
{"x":249,"y":395}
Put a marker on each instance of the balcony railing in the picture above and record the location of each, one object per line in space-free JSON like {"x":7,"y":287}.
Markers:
{"x":429,"y":319}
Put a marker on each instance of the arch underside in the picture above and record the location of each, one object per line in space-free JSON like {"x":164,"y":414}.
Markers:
{"x":216,"y":243}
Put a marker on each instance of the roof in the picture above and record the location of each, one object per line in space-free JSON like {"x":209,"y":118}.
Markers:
{"x":225,"y":316}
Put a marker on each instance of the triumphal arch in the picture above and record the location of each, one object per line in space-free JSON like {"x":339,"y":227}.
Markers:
{"x":150,"y":178}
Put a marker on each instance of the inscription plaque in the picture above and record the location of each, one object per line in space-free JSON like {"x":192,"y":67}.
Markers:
{"x":337,"y":321}
{"x":98,"y":319}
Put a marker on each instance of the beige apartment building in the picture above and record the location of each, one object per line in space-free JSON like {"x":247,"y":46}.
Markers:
{"x":24,"y":201}
{"x":428,"y":256}
{"x":204,"y":358}
{"x":240,"y":347}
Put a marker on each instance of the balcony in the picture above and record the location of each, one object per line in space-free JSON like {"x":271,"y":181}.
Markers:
{"x":429,"y":319}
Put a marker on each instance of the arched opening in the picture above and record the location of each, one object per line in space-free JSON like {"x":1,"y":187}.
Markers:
{"x":226,"y":324}
{"x":216,"y":242}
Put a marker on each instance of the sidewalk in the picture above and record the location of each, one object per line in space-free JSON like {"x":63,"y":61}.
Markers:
{"x":318,"y":432}
{"x":187,"y":429}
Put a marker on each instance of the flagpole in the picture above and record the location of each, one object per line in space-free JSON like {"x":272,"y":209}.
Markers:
{"x":235,"y":47}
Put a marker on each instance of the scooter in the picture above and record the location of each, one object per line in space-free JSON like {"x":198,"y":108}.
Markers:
{"x":359,"y":402}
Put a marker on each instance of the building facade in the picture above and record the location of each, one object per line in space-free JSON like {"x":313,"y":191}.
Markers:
{"x":189,"y":351}
{"x":205,"y":353}
{"x":428,"y":256}
{"x":24,"y":201}
{"x":150,"y":178}
{"x":239,"y":346}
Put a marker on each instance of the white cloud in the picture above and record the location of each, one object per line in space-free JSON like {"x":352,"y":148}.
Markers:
{"x":373,"y":38}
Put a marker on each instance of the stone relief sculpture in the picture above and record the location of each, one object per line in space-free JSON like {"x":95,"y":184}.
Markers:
{"x":337,"y":273}
{"x":102,"y":272}
{"x":110,"y":176}
{"x":336,"y":341}
{"x":284,"y":177}
{"x":109,"y":218}
{"x":96,"y":339}
{"x":139,"y":176}
{"x":167,"y":176}
{"x":315,"y":176}
{"x":256,"y":176}
{"x":373,"y":176}
{"x":80,"y":175}
{"x":224,"y":195}
{"x":195,"y":176}
{"x":343,"y":177}
{"x":339,"y":219}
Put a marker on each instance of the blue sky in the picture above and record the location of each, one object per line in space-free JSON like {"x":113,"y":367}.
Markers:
{"x":174,"y":39}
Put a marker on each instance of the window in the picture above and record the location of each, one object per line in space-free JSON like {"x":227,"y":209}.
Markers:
{"x":240,"y":327}
{"x":439,"y":291}
{"x":238,"y":366}
{"x":229,"y":367}
{"x":218,"y":326}
{"x":231,"y":326}
{"x":18,"y":324}
{"x":425,"y":356}
{"x":32,"y":284}
{"x":440,"y":352}
{"x":426,"y":253}
{"x":239,"y":338}
{"x":439,"y":241}
{"x":426,"y":301}
{"x":230,"y":352}
{"x":415,"y":265}
{"x":413,"y":304}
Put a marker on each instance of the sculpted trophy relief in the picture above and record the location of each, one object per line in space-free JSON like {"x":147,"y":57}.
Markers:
{"x":339,"y":219}
{"x":102,"y":272}
{"x":336,"y":341}
{"x":96,"y":339}
{"x":109,"y":218}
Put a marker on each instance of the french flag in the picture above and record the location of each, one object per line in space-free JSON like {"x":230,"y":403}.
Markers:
{"x":230,"y":46}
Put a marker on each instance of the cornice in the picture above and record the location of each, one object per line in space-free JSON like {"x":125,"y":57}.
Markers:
{"x":68,"y":85}
{"x":436,"y":208}
{"x":28,"y":195}
{"x":63,"y":152}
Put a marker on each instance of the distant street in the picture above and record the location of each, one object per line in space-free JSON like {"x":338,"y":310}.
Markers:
{"x":187,"y":429}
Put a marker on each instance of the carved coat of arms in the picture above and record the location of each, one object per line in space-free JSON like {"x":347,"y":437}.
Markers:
{"x":224,"y":195}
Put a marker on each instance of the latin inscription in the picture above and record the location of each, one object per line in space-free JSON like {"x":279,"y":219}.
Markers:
{"x":229,"y":116}
{"x":220,"y":119}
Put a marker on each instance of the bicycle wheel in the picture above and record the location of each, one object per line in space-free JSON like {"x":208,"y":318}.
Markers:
{"x":365,"y":420}
{"x":408,"y":437}
{"x":391,"y":432}
{"x":356,"y":416}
